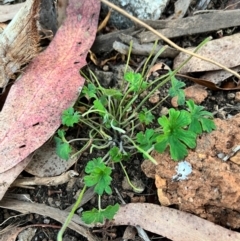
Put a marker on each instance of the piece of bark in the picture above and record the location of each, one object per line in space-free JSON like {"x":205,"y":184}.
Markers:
{"x":142,"y":49}
{"x":191,"y":25}
{"x":7,"y":12}
{"x":20,"y":40}
{"x":104,"y":43}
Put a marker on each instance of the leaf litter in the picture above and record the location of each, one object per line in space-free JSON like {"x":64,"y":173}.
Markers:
{"x":50,"y":84}
{"x":144,"y":214}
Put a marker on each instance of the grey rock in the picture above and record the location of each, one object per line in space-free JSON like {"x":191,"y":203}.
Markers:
{"x":142,"y":9}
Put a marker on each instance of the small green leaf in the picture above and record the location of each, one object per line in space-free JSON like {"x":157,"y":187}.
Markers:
{"x":98,"y":216}
{"x":176,"y":90}
{"x":89,"y":91}
{"x":135,"y":81}
{"x":147,"y":139}
{"x":116,"y":155}
{"x":145,"y":116}
{"x":175,"y":135}
{"x":70,"y":117}
{"x":61,"y":133}
{"x":200,"y":119}
{"x":99,"y":176}
{"x":100,"y":107}
{"x":63,"y":148}
{"x":112,"y":92}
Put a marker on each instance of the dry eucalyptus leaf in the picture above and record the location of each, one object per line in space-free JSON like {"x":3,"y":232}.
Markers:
{"x":171,"y":223}
{"x":221,"y":50}
{"x":50,"y":84}
{"x":218,"y":76}
{"x":59,"y":215}
{"x":46,"y":163}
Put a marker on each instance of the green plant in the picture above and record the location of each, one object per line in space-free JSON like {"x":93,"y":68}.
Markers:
{"x":175,"y":135}
{"x":114,"y":116}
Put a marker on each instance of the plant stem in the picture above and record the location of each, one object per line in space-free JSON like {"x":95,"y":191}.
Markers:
{"x":99,"y":203}
{"x":141,"y":150}
{"x":70,"y":215}
{"x":128,"y":179}
{"x":152,"y":91}
{"x":84,"y":148}
{"x":129,"y":55}
{"x":101,"y":147}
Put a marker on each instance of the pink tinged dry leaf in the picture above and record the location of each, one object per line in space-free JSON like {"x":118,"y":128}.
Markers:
{"x":171,"y":223}
{"x":51,"y":83}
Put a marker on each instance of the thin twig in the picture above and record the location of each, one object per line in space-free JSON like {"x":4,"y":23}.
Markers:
{"x":166,"y":39}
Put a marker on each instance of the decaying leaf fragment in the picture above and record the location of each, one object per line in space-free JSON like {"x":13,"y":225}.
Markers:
{"x":19,"y":42}
{"x":171,"y":223}
{"x":49,"y":85}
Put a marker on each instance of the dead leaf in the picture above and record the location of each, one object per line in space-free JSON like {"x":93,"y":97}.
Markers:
{"x":7,"y":12}
{"x":209,"y":84}
{"x":218,"y":76}
{"x":11,"y":234}
{"x":105,"y":21}
{"x":221,"y":50}
{"x":171,"y":223}
{"x":8,"y":177}
{"x":156,"y":67}
{"x":46,"y":163}
{"x":59,"y":215}
{"x":180,"y":9}
{"x":51,"y":83}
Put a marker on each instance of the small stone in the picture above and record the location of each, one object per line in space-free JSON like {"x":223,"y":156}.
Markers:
{"x":105,"y":68}
{"x":104,"y":77}
{"x":46,"y":220}
{"x":51,"y":202}
{"x":57,"y":203}
{"x":174,"y":102}
{"x":155,"y":98}
{"x":164,"y":111}
{"x":197,"y":93}
{"x":230,"y":96}
{"x":237,"y":96}
{"x":140,"y":9}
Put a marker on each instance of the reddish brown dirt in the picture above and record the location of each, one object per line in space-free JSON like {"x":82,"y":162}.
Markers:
{"x":212,"y":190}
